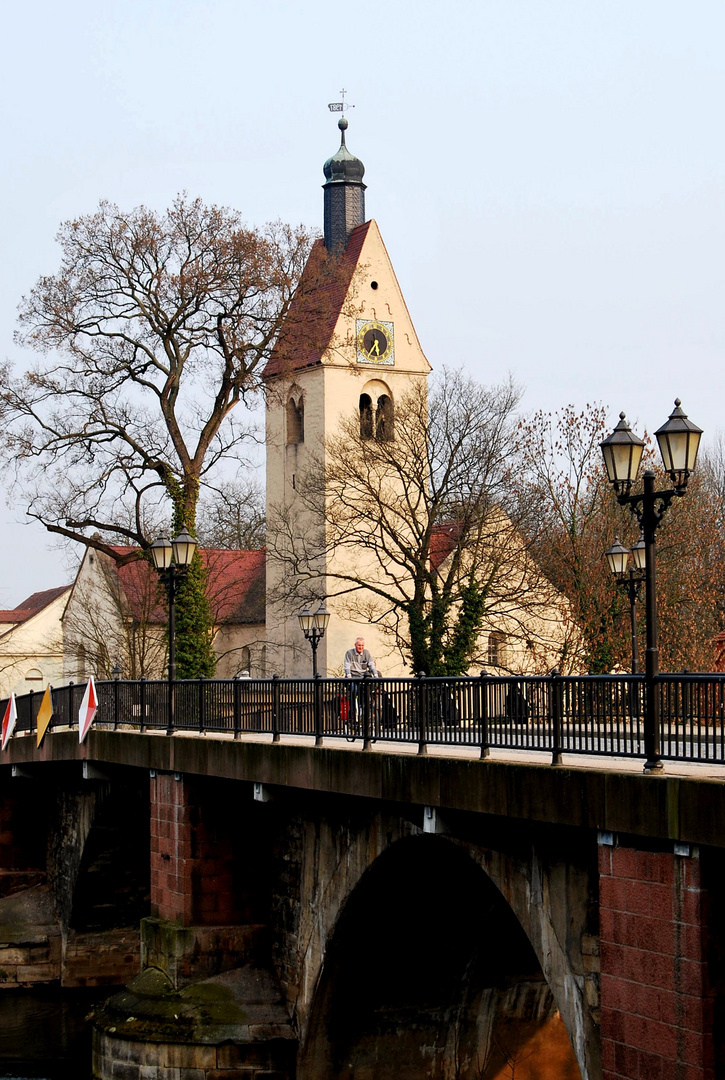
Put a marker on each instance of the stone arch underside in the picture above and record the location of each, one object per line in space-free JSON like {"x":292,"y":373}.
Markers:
{"x":357,"y":919}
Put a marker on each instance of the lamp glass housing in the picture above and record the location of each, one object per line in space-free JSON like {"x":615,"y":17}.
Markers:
{"x":305,"y":617}
{"x":321,"y":617}
{"x":679,"y":441}
{"x":622,"y":453}
{"x":162,"y":553}
{"x":184,"y":546}
{"x":639,"y":554}
{"x":617,"y":557}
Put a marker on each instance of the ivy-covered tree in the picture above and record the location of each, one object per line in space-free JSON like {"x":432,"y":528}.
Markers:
{"x":153,"y":331}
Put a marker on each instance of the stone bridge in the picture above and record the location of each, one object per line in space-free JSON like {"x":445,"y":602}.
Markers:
{"x":313,"y":912}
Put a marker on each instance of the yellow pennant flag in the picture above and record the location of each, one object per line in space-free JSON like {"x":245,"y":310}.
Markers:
{"x":45,"y":713}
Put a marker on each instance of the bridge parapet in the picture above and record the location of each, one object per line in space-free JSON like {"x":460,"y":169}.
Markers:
{"x":593,"y":715}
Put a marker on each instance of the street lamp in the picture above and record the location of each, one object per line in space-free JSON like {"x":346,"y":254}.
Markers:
{"x":630,"y":579}
{"x":172,"y":559}
{"x":313,"y":626}
{"x":678,"y":440}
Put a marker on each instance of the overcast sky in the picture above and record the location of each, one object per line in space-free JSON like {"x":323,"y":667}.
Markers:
{"x":547,"y":174}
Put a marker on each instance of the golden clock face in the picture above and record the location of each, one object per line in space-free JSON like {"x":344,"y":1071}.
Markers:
{"x":375,"y":342}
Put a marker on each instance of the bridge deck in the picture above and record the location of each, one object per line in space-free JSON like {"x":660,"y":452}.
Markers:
{"x":686,"y":803}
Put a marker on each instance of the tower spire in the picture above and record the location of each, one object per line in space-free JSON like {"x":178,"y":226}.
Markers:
{"x":344,"y":190}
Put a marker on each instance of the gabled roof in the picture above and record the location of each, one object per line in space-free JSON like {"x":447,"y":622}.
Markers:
{"x":443,"y":543}
{"x":316,"y":306}
{"x":33,"y":605}
{"x":236,"y":586}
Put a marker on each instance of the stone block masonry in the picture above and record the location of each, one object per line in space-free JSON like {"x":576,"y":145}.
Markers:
{"x":657,"y":1006}
{"x":126,"y":1060}
{"x":192,"y":857}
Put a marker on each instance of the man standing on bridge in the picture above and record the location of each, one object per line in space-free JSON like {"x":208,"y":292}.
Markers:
{"x":359,"y":662}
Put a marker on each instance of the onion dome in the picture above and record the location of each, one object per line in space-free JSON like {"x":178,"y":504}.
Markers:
{"x":343,"y":167}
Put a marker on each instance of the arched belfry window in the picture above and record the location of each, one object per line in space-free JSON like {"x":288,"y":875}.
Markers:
{"x":384,"y":419}
{"x":376,"y":412}
{"x":295,"y":421}
{"x":366,"y":417}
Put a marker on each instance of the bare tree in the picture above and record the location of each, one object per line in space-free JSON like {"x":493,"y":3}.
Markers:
{"x":422,"y":544}
{"x":154,"y":329}
{"x":578,"y":518}
{"x":112,"y":620}
{"x":232,"y":516}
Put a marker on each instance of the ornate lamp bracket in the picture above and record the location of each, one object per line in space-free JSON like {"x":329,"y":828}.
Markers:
{"x":659,"y":505}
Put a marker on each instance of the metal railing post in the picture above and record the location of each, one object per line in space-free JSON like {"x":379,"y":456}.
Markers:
{"x":237,"y":705}
{"x":116,"y":695}
{"x":366,"y":704}
{"x":202,"y":704}
{"x":71,"y":684}
{"x":555,"y":688}
{"x":275,"y":708}
{"x":481,"y":698}
{"x":422,"y":747}
{"x":142,"y":705}
{"x":171,"y":707}
{"x":317,"y":707}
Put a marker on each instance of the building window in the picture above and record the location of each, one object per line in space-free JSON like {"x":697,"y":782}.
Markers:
{"x":295,"y":422}
{"x":34,"y":675}
{"x":496,"y":650}
{"x":366,"y":417}
{"x":245,"y":666}
{"x":384,"y":419}
{"x":376,"y":417}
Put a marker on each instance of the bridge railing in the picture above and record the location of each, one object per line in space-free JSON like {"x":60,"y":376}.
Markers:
{"x":602,"y":714}
{"x":555,"y":714}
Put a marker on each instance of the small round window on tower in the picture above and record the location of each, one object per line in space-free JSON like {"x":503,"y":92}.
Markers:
{"x":373,"y":284}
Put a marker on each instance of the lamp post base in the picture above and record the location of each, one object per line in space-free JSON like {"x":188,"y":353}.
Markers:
{"x":655,"y":765}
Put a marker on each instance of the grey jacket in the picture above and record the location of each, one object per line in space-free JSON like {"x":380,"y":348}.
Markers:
{"x":359,"y":664}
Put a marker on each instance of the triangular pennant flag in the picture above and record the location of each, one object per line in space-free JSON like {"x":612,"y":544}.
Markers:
{"x":88,"y":709}
{"x":10,"y":719}
{"x":45,"y":714}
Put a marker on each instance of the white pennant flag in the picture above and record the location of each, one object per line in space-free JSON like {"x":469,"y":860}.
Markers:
{"x":88,"y":709}
{"x":10,"y":719}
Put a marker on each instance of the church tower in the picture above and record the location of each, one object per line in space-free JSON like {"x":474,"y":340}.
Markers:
{"x":348,"y":349}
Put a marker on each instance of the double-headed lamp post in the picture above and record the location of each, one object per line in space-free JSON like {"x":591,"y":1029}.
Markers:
{"x":313,"y":626}
{"x":630,"y":578}
{"x":678,"y":440}
{"x":172,"y":559}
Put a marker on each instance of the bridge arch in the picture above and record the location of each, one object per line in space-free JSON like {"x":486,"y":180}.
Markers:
{"x":455,"y":945}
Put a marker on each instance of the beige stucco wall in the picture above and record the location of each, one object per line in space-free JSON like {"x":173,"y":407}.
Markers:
{"x":31,"y":653}
{"x":239,"y":648}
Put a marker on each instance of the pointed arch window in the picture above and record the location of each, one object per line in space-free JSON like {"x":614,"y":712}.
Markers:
{"x":295,"y":422}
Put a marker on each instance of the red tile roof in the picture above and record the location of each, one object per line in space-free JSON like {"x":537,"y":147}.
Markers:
{"x":35,"y":603}
{"x":316,"y":306}
{"x":236,"y":586}
{"x":442,"y":543}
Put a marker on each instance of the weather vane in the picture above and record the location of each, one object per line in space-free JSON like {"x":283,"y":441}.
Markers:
{"x":340,"y":106}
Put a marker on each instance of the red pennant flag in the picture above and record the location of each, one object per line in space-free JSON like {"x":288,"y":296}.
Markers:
{"x":88,"y":710}
{"x":9,"y":721}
